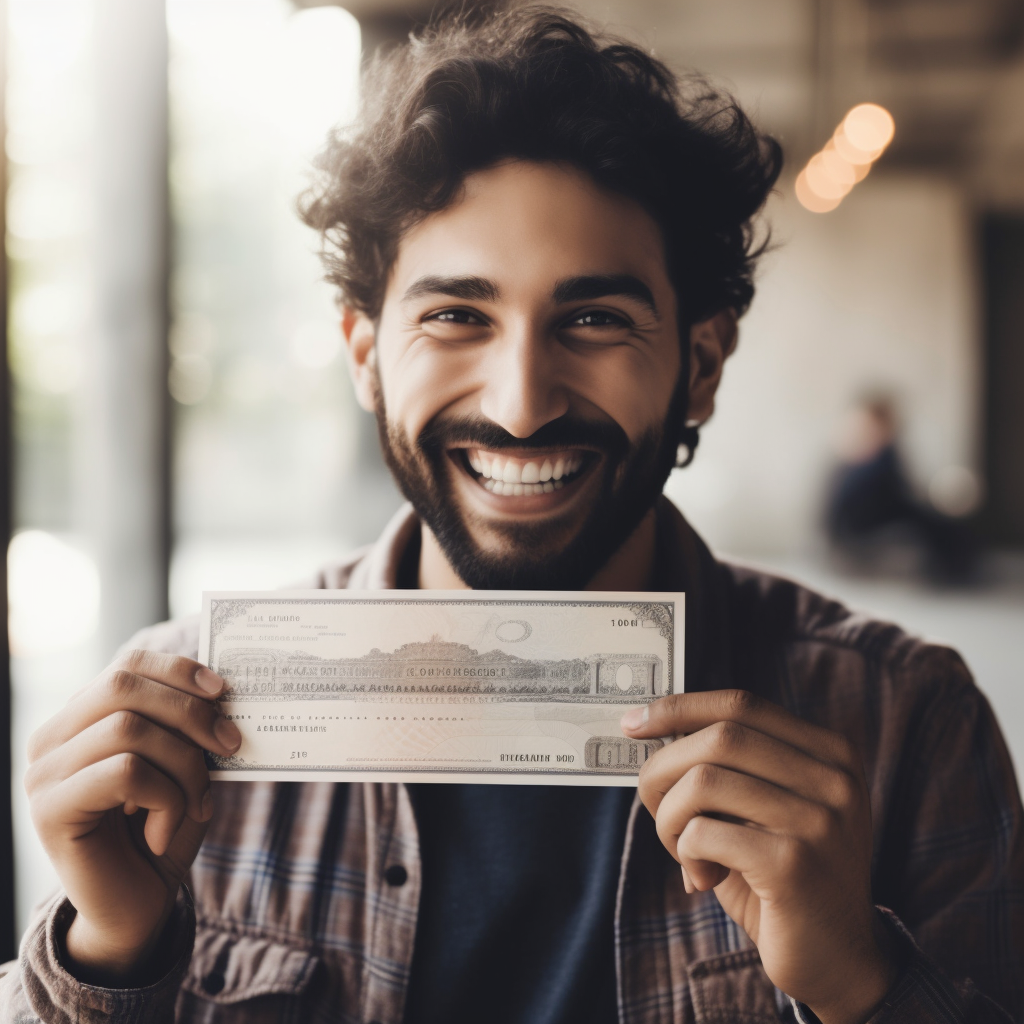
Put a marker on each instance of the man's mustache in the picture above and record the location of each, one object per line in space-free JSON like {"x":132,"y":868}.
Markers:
{"x":565,"y":432}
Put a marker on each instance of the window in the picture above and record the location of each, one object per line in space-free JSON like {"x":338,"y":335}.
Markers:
{"x":274,"y":469}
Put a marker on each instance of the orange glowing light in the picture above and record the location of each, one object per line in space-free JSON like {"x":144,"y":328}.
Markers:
{"x":869,"y":127}
{"x":810,"y":200}
{"x":846,"y":158}
{"x":848,"y":151}
{"x":822,"y":183}
{"x":842,"y":169}
{"x":839,"y":170}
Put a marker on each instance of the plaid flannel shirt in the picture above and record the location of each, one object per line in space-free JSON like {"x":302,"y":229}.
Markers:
{"x":291,"y":913}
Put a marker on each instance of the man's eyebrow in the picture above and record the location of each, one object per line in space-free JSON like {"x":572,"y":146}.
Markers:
{"x":598,"y":286}
{"x":468,"y":288}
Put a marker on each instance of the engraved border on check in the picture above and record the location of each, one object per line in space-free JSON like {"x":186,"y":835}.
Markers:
{"x":222,"y":609}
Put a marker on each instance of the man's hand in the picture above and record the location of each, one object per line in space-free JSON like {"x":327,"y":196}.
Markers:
{"x":773,"y":814}
{"x":130,"y":741}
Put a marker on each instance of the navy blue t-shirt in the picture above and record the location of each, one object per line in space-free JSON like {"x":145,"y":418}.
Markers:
{"x":516,"y":919}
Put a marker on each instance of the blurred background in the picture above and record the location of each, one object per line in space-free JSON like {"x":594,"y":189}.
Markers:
{"x":178,"y":415}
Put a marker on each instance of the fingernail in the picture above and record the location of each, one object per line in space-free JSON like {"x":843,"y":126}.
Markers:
{"x":208,"y":680}
{"x":634,"y":718}
{"x":207,"y":810}
{"x":227,"y":733}
{"x":687,"y":884}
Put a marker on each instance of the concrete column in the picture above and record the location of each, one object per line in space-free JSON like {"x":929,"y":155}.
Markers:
{"x":124,"y":455}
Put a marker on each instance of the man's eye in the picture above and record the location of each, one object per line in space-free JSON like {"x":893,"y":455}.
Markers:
{"x":455,"y":316}
{"x":597,"y":318}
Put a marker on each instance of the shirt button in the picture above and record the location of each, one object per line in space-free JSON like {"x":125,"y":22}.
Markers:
{"x":396,"y":875}
{"x":213,"y":982}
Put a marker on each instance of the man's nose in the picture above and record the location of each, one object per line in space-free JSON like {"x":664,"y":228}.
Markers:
{"x":525,"y":388}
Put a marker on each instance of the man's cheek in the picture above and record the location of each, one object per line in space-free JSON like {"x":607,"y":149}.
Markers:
{"x":408,"y":412}
{"x":400,"y":395}
{"x":636,"y":410}
{"x":413,"y":412}
{"x":424,"y":383}
{"x":639,"y":418}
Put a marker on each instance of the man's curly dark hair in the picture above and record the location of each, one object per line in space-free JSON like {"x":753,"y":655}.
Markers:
{"x":533,"y":83}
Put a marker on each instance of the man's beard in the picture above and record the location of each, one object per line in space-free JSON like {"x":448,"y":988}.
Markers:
{"x":632,"y":478}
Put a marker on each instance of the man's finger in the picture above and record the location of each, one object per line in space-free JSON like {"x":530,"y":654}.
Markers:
{"x":710,"y":790}
{"x":172,"y":670}
{"x":708,"y":845}
{"x":742,"y":749}
{"x":125,"y":780}
{"x":125,"y":732}
{"x":682,"y":713}
{"x":196,"y":718}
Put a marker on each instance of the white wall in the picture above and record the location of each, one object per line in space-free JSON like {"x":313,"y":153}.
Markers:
{"x":879,"y":292}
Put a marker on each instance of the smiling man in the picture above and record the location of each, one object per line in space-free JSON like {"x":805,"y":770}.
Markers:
{"x":542,"y":243}
{"x":525,"y":365}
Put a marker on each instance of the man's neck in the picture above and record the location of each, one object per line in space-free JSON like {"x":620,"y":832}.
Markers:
{"x":630,"y":568}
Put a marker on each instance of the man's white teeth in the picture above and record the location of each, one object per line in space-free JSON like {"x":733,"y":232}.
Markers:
{"x":521,"y":490}
{"x":509,"y":471}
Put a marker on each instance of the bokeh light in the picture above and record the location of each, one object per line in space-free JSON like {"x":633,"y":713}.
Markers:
{"x":45,"y":618}
{"x":869,"y":128}
{"x":846,"y":159}
{"x":810,"y":200}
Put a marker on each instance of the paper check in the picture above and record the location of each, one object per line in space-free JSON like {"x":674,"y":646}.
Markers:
{"x":440,"y":686}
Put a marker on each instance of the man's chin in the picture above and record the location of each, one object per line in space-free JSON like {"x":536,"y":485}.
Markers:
{"x":530,"y":554}
{"x":529,"y":540}
{"x":525,"y":556}
{"x":507,"y":571}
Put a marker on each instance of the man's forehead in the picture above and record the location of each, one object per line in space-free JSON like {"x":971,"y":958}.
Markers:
{"x":531,"y":225}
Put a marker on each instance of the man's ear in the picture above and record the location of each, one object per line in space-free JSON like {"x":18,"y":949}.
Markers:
{"x":712,"y":341}
{"x":361,"y":353}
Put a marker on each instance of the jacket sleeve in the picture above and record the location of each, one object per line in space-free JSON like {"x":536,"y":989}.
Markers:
{"x":925,"y":994}
{"x":955,"y":856}
{"x":38,"y":987}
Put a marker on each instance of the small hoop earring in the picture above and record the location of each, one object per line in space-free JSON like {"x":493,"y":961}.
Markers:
{"x":689,"y":438}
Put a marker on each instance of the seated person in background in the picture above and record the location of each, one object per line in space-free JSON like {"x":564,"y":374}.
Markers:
{"x":872,"y":513}
{"x":542,"y":242}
